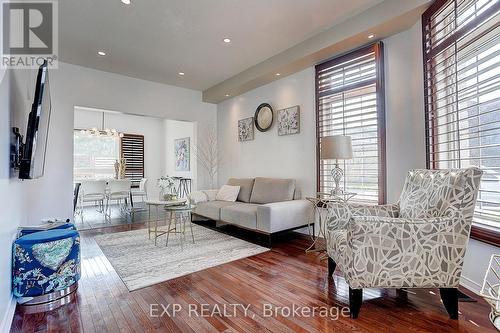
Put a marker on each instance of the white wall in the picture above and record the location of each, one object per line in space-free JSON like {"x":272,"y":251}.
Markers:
{"x":12,"y":214}
{"x":294,"y":156}
{"x":270,"y":155}
{"x":476,"y":263}
{"x":404,"y":107}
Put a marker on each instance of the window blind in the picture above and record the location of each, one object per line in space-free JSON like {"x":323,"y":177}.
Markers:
{"x":132,"y":150}
{"x":461,"y":44}
{"x":349,"y":99}
{"x":94,"y":157}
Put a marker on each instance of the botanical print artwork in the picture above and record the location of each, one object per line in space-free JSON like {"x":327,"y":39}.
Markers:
{"x":245,"y":129}
{"x":181,"y":149}
{"x":289,"y":121}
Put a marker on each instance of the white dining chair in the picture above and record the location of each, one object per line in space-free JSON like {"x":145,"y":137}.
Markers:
{"x":143,"y":191}
{"x":119,"y":191}
{"x":93,"y":191}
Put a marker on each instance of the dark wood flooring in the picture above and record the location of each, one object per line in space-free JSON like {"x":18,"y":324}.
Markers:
{"x":283,"y":277}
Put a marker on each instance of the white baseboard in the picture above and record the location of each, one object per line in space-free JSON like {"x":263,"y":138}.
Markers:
{"x":8,"y":316}
{"x":470,"y":284}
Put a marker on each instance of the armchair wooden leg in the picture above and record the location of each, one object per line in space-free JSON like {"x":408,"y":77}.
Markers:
{"x":355,"y":300}
{"x":331,"y":266}
{"x":449,"y":296}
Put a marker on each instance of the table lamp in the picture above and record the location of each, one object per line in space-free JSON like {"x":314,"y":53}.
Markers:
{"x":336,"y":147}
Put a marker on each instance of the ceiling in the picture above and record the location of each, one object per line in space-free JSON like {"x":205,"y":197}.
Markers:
{"x":156,"y":39}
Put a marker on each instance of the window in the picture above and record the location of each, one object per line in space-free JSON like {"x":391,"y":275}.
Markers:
{"x":350,"y":101}
{"x":94,"y":156}
{"x":461,"y":45}
{"x":132,"y":150}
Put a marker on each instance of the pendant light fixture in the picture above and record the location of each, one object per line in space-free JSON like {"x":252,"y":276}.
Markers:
{"x":104,"y":132}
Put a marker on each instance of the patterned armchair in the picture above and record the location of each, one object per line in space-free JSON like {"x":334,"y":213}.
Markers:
{"x":419,"y":242}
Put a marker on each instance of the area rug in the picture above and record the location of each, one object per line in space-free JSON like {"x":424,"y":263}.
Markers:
{"x":140,"y":263}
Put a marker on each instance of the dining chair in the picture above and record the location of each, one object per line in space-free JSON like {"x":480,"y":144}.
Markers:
{"x":93,"y":191}
{"x":119,"y":191}
{"x":143,"y":191}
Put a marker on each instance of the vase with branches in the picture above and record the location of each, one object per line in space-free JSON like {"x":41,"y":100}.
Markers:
{"x":120,"y":167}
{"x":208,"y":155}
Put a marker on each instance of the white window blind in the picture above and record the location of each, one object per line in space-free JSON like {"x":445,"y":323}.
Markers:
{"x":462,"y":94}
{"x":94,"y":156}
{"x":349,"y":93}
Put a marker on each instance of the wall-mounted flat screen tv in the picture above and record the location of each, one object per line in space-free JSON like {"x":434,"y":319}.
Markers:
{"x":32,"y":163}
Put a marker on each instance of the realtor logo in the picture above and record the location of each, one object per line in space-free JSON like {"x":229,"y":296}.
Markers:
{"x":29,"y":31}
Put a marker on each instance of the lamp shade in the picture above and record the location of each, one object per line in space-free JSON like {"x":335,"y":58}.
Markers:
{"x":336,"y":147}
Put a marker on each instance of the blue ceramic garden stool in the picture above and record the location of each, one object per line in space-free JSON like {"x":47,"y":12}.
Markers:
{"x":46,"y":265}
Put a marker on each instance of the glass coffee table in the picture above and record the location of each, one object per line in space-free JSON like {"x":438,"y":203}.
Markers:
{"x":178,"y":214}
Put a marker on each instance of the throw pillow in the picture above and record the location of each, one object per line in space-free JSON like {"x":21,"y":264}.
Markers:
{"x":228,"y":193}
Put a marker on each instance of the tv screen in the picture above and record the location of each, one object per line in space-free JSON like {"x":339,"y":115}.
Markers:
{"x":33,"y":158}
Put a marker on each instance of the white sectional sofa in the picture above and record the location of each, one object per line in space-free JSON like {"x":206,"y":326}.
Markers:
{"x":264,"y":205}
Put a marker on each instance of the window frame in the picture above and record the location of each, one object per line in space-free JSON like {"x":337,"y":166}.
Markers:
{"x":378,"y":49}
{"x":478,"y":232}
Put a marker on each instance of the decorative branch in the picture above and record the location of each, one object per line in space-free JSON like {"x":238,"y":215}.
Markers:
{"x":207,"y":154}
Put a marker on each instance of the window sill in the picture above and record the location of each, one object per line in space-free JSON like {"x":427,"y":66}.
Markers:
{"x":485,"y":235}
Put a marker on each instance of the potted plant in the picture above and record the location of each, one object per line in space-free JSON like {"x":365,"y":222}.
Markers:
{"x":167,"y":188}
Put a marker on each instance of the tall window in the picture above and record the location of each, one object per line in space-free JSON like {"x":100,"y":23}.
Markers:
{"x":350,"y":101}
{"x":94,"y":156}
{"x":461,"y":44}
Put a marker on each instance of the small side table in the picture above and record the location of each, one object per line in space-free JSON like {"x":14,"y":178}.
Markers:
{"x":157,"y":204}
{"x":181,"y":214}
{"x":320,"y":210}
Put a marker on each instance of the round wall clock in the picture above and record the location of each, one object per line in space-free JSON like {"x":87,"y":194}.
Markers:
{"x":264,"y":117}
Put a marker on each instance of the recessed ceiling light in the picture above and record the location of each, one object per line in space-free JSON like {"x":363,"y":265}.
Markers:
{"x":101,"y":53}
{"x":227,"y":40}
{"x":370,"y":36}
{"x":278,"y":74}
{"x":127,"y":2}
{"x":227,"y":95}
{"x":181,"y":73}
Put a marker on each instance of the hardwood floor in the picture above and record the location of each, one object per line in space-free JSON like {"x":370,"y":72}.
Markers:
{"x":283,"y":277}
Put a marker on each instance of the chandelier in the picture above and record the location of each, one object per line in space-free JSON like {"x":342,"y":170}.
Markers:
{"x":104,"y":132}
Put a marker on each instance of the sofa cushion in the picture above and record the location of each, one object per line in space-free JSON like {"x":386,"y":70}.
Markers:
{"x":245,"y":184}
{"x":211,"y":209}
{"x":228,"y":193}
{"x":241,"y":214}
{"x":268,"y":190}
